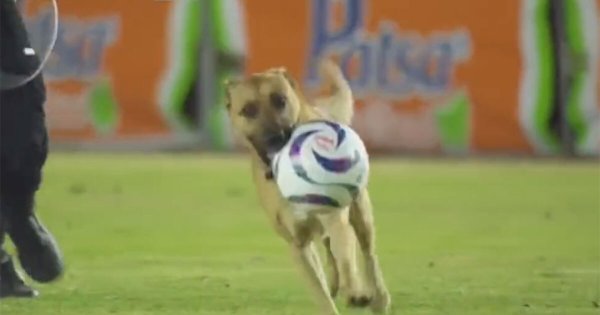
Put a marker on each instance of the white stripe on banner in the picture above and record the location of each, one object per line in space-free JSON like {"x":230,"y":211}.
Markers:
{"x":529,"y":88}
{"x":589,"y":100}
{"x":235,"y":26}
{"x":176,"y":64}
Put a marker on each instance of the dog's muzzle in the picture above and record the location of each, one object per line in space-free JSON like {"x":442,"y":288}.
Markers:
{"x":269,"y":146}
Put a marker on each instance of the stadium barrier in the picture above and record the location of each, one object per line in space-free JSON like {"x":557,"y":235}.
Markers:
{"x":430,"y":76}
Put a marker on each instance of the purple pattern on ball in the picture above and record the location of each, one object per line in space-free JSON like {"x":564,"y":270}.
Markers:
{"x":314,"y":199}
{"x":340,"y":165}
{"x":341,"y":133}
{"x":297,"y":144}
{"x":294,"y":154}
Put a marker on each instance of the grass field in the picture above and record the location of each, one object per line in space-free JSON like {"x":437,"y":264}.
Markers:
{"x":184,"y":235}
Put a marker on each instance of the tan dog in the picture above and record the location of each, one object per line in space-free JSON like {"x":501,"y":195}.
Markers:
{"x":264,"y":108}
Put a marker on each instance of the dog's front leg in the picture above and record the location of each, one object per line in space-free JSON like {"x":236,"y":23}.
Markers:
{"x":334,"y":281}
{"x":281,"y":228}
{"x":306,"y":256}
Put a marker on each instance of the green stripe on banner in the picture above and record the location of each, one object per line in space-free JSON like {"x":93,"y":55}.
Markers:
{"x":222,"y":38}
{"x":454,"y":123}
{"x":229,"y":41}
{"x":184,"y":63}
{"x":187,"y":59}
{"x":543,"y":106}
{"x":216,"y":113}
{"x":104,"y":107}
{"x":576,"y":40}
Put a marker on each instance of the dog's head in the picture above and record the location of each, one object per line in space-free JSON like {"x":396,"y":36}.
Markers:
{"x":263,"y":109}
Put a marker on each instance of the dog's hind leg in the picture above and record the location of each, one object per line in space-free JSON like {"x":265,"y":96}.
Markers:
{"x":361,"y":218}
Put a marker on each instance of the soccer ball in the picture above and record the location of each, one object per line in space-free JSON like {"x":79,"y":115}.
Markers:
{"x":324,"y":165}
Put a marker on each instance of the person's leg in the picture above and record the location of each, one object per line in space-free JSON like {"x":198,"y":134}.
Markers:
{"x":37,"y":249}
{"x":4,"y":256}
{"x":23,"y":154}
{"x":23,"y":149}
{"x":11,"y":283}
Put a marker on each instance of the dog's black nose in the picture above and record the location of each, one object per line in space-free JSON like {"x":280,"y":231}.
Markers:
{"x":277,"y":141}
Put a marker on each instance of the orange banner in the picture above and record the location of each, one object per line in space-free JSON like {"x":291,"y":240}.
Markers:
{"x":106,"y":70}
{"x":434,"y":76}
{"x":428,"y":75}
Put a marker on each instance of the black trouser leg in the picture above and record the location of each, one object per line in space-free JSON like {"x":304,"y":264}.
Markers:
{"x":11,"y":283}
{"x":37,"y":250}
{"x":23,"y":153}
{"x":4,"y":256}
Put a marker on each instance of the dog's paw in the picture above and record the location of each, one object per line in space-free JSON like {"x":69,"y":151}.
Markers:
{"x":359,"y":301}
{"x":381,"y":303}
{"x":334,"y":289}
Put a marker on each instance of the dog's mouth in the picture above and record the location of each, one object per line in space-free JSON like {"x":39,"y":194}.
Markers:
{"x":270,"y":144}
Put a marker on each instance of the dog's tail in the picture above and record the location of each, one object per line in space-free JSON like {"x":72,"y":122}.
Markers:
{"x":339,"y":103}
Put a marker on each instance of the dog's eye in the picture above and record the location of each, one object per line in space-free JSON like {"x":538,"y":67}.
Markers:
{"x":250,"y":110}
{"x":278,"y":100}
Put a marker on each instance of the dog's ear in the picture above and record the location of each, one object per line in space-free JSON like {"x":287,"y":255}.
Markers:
{"x":228,"y":84}
{"x":285,"y":74}
{"x":288,"y":77}
{"x":279,"y":69}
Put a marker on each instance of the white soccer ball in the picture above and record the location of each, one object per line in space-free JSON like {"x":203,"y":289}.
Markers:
{"x":324,"y":165}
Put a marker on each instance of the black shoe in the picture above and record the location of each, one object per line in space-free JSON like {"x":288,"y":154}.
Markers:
{"x":11,"y":283}
{"x":38,"y":252}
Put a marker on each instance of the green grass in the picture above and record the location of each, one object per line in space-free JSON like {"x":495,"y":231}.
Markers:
{"x":184,"y":235}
